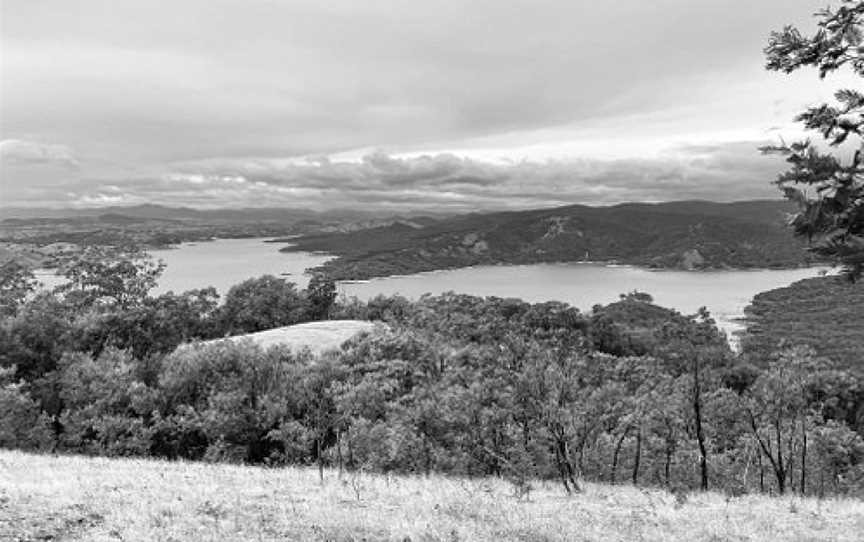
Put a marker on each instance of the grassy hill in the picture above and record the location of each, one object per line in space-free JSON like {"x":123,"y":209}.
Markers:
{"x":684,"y":234}
{"x":826,"y":313}
{"x":316,"y":336}
{"x":96,"y":499}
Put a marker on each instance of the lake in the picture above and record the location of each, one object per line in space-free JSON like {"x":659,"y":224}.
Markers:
{"x":724,"y":293}
{"x":222,"y":263}
{"x":225,"y":262}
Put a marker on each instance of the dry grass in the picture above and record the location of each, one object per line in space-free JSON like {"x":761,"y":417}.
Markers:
{"x":317,"y":336}
{"x":77,"y":498}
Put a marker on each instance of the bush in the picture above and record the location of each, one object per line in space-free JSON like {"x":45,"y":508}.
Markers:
{"x":22,"y":424}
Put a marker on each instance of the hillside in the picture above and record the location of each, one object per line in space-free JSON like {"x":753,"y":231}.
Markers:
{"x":76,"y":498}
{"x":826,"y":313}
{"x":316,"y":336}
{"x":684,"y":235}
{"x":24,"y":233}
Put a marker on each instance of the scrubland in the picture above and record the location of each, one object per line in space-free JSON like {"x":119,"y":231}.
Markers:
{"x":76,"y":498}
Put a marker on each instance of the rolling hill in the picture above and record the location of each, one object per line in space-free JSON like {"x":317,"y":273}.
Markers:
{"x":318,"y":337}
{"x":683,"y":235}
{"x":825,"y":313}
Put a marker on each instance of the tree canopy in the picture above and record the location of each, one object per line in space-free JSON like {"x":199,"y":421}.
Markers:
{"x":828,"y":186}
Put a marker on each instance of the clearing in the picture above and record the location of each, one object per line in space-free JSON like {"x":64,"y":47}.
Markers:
{"x":317,"y":336}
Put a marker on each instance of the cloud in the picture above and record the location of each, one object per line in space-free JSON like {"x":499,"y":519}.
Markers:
{"x":34,"y":171}
{"x":171,"y":105}
{"x":14,"y":152}
{"x":447,"y":182}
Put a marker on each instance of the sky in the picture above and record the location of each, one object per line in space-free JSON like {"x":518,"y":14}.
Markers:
{"x":394,"y":105}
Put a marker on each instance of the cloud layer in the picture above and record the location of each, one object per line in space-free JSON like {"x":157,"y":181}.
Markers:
{"x":465,"y":105}
{"x":446,"y":182}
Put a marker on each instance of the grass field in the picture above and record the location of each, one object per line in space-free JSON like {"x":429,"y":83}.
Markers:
{"x":76,"y":498}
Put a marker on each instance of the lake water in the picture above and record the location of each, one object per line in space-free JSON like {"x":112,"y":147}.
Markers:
{"x":225,"y":262}
{"x":222,"y":263}
{"x":582,"y":285}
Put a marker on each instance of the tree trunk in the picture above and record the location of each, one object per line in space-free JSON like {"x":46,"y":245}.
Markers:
{"x":320,"y":460}
{"x":339,"y":452}
{"x":803,"y":457}
{"x":700,"y":434}
{"x":821,"y":483}
{"x":637,"y":457}
{"x":428,"y":459}
{"x":776,"y":464}
{"x":779,"y":469}
{"x":667,"y":465}
{"x":761,"y":474}
{"x":617,"y":452}
{"x":559,"y":462}
{"x":566,"y":468}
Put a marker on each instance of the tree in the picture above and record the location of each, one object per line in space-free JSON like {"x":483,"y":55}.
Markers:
{"x":229,"y":399}
{"x":781,"y":414}
{"x":22,"y":425}
{"x":321,"y":293}
{"x":109,"y":276}
{"x":262,"y":303}
{"x":636,"y":295}
{"x":36,"y":337}
{"x":694,"y":348}
{"x":16,"y":283}
{"x":832,"y":213}
{"x":106,"y":409}
{"x":157,"y":325}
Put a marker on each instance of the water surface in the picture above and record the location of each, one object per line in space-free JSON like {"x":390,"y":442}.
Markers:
{"x":221,"y":263}
{"x":225,"y":262}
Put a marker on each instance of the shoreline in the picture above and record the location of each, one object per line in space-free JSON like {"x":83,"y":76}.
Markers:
{"x":612,"y":264}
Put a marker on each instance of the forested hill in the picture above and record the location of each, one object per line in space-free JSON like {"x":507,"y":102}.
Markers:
{"x":684,"y":235}
{"x":826,"y":314}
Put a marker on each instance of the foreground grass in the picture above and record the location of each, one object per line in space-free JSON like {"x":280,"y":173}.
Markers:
{"x":78,"y":498}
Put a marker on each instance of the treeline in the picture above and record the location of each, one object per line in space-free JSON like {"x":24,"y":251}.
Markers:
{"x":456,"y":384}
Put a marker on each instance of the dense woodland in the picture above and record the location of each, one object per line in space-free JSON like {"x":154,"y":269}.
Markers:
{"x":628,"y":393}
{"x":825,"y":314}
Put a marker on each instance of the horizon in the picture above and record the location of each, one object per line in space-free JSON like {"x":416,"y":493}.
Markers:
{"x":27,"y":213}
{"x":446,"y":107}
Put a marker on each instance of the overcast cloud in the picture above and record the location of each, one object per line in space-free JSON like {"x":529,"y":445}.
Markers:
{"x":445,"y":105}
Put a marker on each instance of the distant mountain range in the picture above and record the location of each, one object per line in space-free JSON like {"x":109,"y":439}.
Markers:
{"x":682,"y":235}
{"x":159,"y":212}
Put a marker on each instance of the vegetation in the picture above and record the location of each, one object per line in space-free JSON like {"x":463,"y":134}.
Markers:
{"x":452,"y":384}
{"x":825,"y":314}
{"x":832,"y":212}
{"x":489,"y":396}
{"x":77,"y":498}
{"x":687,"y":235}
